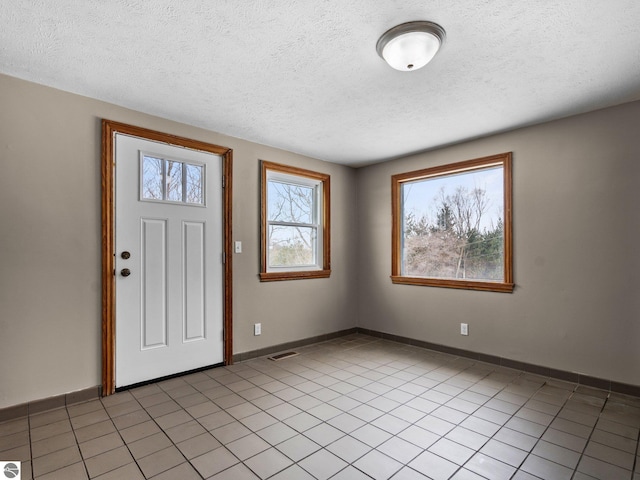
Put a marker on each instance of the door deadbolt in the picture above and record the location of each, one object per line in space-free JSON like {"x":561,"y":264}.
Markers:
{"x":125,"y":255}
{"x":125,"y":272}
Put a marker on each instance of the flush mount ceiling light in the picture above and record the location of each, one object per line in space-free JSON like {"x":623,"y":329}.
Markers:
{"x":410,"y":46}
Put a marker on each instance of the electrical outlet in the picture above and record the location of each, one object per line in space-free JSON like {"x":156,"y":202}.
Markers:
{"x":464,"y":329}
{"x":257,"y":328}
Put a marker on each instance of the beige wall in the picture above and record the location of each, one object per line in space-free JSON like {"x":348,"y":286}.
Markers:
{"x":50,"y":290}
{"x":576,"y":224}
{"x":576,"y":305}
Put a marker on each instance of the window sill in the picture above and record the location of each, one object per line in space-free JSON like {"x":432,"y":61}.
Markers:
{"x":280,"y":276}
{"x":459,"y":284}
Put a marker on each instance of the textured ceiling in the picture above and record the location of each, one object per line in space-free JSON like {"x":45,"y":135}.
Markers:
{"x":304,"y":75}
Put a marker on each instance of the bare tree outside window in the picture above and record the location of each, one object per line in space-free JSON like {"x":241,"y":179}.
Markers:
{"x":174,"y":181}
{"x":194,"y":183}
{"x":171,"y":180}
{"x":292,"y":228}
{"x":152,"y":178}
{"x":452,"y":225}
{"x":295,"y":223}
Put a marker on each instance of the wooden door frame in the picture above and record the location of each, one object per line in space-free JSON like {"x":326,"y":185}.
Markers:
{"x":109,"y":130}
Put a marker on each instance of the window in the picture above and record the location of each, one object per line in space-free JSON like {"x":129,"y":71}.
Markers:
{"x":295,"y":223}
{"x":173,"y":181}
{"x":452,"y":226}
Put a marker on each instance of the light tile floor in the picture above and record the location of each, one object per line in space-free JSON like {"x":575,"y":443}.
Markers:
{"x":352,"y":408}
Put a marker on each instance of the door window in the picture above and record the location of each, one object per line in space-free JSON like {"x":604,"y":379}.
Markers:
{"x":168,"y":180}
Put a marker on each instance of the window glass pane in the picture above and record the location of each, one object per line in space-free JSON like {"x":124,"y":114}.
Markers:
{"x":174,"y":181}
{"x":291,"y":246}
{"x":194,"y":183}
{"x":152,"y":178}
{"x":453,"y":226}
{"x":290,"y":203}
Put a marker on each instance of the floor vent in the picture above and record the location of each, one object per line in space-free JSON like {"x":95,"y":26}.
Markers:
{"x":282,"y":356}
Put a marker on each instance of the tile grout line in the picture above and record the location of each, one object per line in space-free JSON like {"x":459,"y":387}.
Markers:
{"x":403,"y":368}
{"x":126,"y":445}
{"x":170,"y":439}
{"x":325,"y":422}
{"x":514,"y":415}
{"x":30,"y":445}
{"x":586,"y":444}
{"x":636,"y":464}
{"x":83,"y":460}
{"x":346,"y":380}
{"x":477,"y":451}
{"x":380,"y":395}
{"x":121,"y":438}
{"x":547,"y":429}
{"x":235,"y":419}
{"x":427,"y":414}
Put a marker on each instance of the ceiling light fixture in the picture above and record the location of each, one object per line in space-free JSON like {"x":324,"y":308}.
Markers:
{"x":410,"y":46}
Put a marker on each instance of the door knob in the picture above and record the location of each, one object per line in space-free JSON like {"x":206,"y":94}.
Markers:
{"x":125,"y":272}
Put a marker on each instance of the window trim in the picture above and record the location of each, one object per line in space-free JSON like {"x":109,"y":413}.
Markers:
{"x":505,"y":161}
{"x":296,"y":273}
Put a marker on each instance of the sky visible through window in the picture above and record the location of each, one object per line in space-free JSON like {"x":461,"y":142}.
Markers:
{"x":422,"y":197}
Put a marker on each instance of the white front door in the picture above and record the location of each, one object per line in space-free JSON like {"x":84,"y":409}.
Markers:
{"x":168,"y":258}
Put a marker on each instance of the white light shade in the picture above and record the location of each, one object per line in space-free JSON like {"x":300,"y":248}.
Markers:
{"x":410,"y":46}
{"x":411,"y":51}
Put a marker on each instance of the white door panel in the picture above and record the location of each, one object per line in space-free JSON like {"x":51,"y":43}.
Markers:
{"x":194,"y":281}
{"x":169,"y":310}
{"x":153,"y":282}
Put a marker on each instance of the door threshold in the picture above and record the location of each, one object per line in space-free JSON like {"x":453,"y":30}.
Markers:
{"x":168,"y":377}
